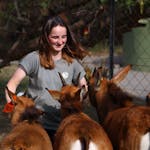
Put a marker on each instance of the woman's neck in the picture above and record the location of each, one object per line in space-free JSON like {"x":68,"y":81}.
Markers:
{"x":56,"y":56}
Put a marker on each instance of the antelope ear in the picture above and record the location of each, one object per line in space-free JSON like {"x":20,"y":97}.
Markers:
{"x":55,"y":94}
{"x":12,"y":95}
{"x":8,"y":108}
{"x":122,"y":74}
{"x":77,"y":93}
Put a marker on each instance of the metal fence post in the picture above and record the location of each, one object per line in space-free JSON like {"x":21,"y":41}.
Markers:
{"x":111,"y":37}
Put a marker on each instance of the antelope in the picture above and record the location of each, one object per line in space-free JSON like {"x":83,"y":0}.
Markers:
{"x":26,"y":133}
{"x":77,"y":131}
{"x":127,"y":125}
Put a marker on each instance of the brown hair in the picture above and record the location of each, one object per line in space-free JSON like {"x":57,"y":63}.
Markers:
{"x":72,"y":49}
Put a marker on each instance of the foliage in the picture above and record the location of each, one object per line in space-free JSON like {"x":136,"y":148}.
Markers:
{"x":128,"y":4}
{"x":25,"y":7}
{"x":21,"y":21}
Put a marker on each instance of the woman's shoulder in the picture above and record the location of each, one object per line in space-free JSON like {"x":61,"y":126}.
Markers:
{"x":30,"y":62}
{"x":76,"y":61}
{"x":32,"y":57}
{"x":33,"y":53}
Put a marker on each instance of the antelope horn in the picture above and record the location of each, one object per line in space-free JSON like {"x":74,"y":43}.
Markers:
{"x":62,"y":79}
{"x":77,"y":80}
{"x":94,"y":72}
{"x":78,"y":77}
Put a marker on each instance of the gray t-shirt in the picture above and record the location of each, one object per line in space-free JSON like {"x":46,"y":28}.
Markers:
{"x":41,"y":78}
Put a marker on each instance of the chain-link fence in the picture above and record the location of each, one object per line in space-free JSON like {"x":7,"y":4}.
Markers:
{"x":136,"y":51}
{"x":126,"y":40}
{"x":135,"y":45}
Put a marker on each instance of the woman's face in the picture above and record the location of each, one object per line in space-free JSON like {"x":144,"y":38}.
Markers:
{"x":58,"y":38}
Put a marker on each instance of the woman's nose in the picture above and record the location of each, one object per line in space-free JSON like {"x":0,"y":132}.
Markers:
{"x":60,"y":41}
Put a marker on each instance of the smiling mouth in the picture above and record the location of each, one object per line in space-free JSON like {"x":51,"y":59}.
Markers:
{"x":58,"y":46}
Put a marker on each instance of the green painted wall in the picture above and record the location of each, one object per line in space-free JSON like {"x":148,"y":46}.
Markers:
{"x":136,"y":47}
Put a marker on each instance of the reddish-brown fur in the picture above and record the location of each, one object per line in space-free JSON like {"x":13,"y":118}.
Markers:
{"x":124,"y":122}
{"x":125,"y":126}
{"x":110,"y":97}
{"x":27,"y":133}
{"x":76,"y":125}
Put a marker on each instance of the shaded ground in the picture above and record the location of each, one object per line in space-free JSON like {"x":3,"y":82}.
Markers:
{"x":4,"y":123}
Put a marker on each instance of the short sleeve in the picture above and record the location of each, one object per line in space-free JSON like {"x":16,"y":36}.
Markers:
{"x":78,"y":68}
{"x":30,"y":63}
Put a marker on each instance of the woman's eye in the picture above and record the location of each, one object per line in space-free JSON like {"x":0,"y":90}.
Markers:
{"x":54,"y":37}
{"x":57,"y":37}
{"x":65,"y":36}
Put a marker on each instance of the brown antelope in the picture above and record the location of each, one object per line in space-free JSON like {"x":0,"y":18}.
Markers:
{"x":26,"y":133}
{"x":127,"y":125}
{"x":77,"y":131}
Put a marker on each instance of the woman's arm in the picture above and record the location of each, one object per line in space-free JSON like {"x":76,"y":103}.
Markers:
{"x":14,"y":81}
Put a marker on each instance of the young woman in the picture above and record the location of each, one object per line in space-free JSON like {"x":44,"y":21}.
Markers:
{"x":59,"y":52}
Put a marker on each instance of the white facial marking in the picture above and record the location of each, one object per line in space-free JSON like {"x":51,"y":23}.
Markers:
{"x":77,"y":146}
{"x":93,"y":146}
